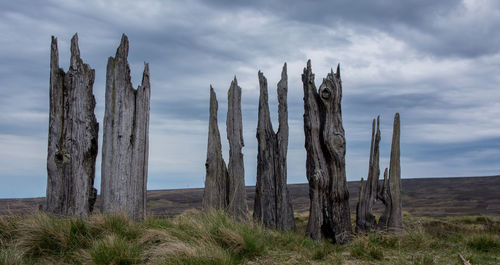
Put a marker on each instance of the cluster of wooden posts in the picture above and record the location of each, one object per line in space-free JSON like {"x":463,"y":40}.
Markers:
{"x":73,"y":133}
{"x":73,"y":145}
{"x":329,"y":213}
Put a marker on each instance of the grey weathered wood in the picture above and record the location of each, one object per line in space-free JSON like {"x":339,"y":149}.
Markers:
{"x":215,"y":195}
{"x":285,"y":217}
{"x":361,"y":221}
{"x":383,"y":195}
{"x":265,"y":188}
{"x":365,"y":220}
{"x":73,"y":132}
{"x":126,"y":138}
{"x":395,"y":221}
{"x":329,"y":215}
{"x":390,"y":192}
{"x":237,"y":205}
{"x":272,"y":205}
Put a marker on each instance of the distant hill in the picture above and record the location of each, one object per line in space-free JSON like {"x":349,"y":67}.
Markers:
{"x":421,"y":197}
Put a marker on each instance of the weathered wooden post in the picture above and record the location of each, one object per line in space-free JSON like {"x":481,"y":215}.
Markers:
{"x":272,"y":206}
{"x":365,"y":220}
{"x":237,"y":204}
{"x":126,"y":138}
{"x":215,"y":195}
{"x":329,"y":215}
{"x":73,"y":132}
{"x":395,"y":221}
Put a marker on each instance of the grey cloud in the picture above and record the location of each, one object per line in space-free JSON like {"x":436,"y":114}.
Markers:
{"x":439,"y":71}
{"x":178,"y":109}
{"x":429,"y":26}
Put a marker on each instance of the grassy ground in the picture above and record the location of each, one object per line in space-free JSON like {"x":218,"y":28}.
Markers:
{"x":214,"y":238}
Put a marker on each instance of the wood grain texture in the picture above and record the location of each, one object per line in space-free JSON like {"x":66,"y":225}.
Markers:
{"x":215,"y":195}
{"x":126,"y":138}
{"x":73,"y":133}
{"x":365,"y":220}
{"x":395,"y":221}
{"x":384,"y":196}
{"x":325,"y":144}
{"x":237,"y":205}
{"x":272,"y":206}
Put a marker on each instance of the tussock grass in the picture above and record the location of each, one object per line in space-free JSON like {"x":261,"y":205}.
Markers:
{"x":485,"y":243}
{"x":11,"y":255}
{"x":365,"y":250}
{"x":114,"y":249}
{"x":116,"y":224}
{"x":8,"y":228}
{"x":45,"y":236}
{"x":215,"y":238}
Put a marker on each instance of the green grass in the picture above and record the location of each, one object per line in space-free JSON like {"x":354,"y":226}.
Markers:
{"x":114,"y":249}
{"x":215,"y":238}
{"x":484,"y":243}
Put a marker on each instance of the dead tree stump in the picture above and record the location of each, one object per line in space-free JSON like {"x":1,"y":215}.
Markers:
{"x":365,"y":220}
{"x":126,"y":138}
{"x":383,"y":195}
{"x":329,"y":215}
{"x":215,"y":195}
{"x":390,"y":192}
{"x":237,"y":204}
{"x":272,"y":202}
{"x":395,"y":221}
{"x":73,"y":132}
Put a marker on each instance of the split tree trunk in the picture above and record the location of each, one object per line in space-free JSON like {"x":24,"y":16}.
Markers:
{"x":215,"y":195}
{"x":390,"y":193}
{"x":395,"y":222}
{"x":126,"y":138}
{"x":272,"y":203}
{"x":329,"y":215}
{"x":73,"y":132}
{"x":385,"y":197}
{"x":365,"y":220}
{"x":237,"y":204}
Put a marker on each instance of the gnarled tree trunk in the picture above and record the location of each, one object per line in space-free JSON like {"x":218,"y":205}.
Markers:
{"x":73,"y":132}
{"x":395,"y":221}
{"x":365,"y":220}
{"x":329,"y":215}
{"x":215,"y":195}
{"x":126,"y":139}
{"x":237,"y":204}
{"x":272,"y":203}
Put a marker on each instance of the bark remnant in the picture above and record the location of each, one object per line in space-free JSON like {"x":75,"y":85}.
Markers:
{"x":73,"y":133}
{"x":365,"y":220}
{"x":272,"y":206}
{"x":329,"y":215}
{"x":126,"y":138}
{"x":237,"y":205}
{"x":215,"y":195}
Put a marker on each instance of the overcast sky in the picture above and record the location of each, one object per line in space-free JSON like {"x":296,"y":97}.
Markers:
{"x":437,"y":63}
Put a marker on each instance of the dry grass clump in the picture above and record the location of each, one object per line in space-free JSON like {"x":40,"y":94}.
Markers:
{"x":113,"y":249}
{"x":210,"y":238}
{"x":215,"y":238}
